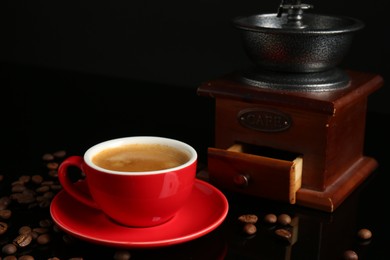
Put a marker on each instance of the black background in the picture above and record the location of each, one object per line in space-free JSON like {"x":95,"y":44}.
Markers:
{"x":176,"y":43}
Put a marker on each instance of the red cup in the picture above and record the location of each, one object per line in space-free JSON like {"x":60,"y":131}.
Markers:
{"x":132,"y":198}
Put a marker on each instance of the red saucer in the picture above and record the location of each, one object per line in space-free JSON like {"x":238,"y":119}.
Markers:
{"x":205,"y":211}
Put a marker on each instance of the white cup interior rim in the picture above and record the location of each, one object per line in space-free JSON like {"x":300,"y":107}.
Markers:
{"x":191,"y":152}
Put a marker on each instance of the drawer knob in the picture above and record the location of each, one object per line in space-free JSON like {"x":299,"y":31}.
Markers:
{"x":241,"y":180}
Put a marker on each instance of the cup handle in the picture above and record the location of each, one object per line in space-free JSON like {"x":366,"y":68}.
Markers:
{"x":69,"y":186}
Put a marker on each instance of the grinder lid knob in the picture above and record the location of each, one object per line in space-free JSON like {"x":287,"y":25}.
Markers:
{"x":294,"y":13}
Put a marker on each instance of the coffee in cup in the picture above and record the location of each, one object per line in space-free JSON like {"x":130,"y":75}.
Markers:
{"x":140,"y":158}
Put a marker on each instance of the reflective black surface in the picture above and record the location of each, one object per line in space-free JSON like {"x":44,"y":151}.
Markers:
{"x":44,"y":111}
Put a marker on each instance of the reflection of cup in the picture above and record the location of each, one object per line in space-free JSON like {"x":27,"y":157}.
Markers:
{"x":137,"y":181}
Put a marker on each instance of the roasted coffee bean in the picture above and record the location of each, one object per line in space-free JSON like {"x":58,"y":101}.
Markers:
{"x":3,"y":227}
{"x":76,"y":258}
{"x":270,"y":218}
{"x":249,"y":229}
{"x":15,"y":196}
{"x":25,"y":178}
{"x":350,"y":255}
{"x":34,"y":235}
{"x":26,"y":257}
{"x":18,"y":182}
{"x":122,"y":255}
{"x":60,"y":154}
{"x":283,"y":234}
{"x":53,"y":258}
{"x":4,"y":202}
{"x":52,"y":165}
{"x":24,"y":198}
{"x":25,"y":230}
{"x":3,"y":206}
{"x":47,"y":183}
{"x":5,"y":213}
{"x":42,"y":189}
{"x":10,"y":257}
{"x":44,"y":239}
{"x":53,"y":173}
{"x":37,"y":179}
{"x":9,"y":249}
{"x":29,"y":192}
{"x":23,"y":240}
{"x":364,"y":234}
{"x":48,"y":157}
{"x":18,"y":188}
{"x":248,"y":218}
{"x":284,"y":219}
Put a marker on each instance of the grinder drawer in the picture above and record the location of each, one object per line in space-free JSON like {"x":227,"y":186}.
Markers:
{"x":239,"y":169}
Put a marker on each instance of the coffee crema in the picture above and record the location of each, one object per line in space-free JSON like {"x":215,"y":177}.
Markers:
{"x":140,"y":158}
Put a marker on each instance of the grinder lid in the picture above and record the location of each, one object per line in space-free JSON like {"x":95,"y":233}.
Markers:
{"x":295,"y":43}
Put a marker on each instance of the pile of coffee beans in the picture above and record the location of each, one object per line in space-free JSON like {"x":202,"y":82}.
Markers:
{"x":282,"y":227}
{"x":28,"y":201}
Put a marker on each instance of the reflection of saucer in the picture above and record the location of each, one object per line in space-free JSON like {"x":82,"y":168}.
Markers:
{"x":205,"y":211}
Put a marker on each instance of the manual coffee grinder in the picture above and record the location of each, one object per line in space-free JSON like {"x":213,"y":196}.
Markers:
{"x":291,"y":128}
